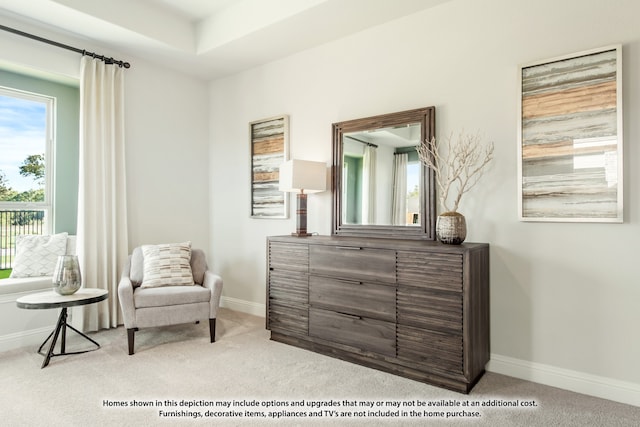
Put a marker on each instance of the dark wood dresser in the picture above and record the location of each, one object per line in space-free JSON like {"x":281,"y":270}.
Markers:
{"x":418,"y":309}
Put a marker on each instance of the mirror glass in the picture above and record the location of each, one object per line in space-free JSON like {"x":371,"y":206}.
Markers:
{"x":380,"y":187}
{"x":381,"y":176}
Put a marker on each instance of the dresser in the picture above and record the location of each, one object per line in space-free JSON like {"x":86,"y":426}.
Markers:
{"x":418,"y":309}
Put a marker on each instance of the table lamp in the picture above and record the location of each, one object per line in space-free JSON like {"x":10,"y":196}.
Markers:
{"x":302,"y":177}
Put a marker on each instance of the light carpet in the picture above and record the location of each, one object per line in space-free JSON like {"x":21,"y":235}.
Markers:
{"x":177,"y":364}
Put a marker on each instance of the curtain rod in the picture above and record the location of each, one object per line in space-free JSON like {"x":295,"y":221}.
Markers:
{"x":64,"y":46}
{"x":361,"y":141}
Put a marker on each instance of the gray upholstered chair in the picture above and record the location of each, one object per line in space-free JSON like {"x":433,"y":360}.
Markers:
{"x":168,"y":305}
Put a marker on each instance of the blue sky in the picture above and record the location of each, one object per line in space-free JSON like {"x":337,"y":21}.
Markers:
{"x":22,"y":132}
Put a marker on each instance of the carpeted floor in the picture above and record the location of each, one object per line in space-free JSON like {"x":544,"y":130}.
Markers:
{"x":177,"y":378}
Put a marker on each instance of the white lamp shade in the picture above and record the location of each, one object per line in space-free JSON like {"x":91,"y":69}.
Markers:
{"x":298,"y":175}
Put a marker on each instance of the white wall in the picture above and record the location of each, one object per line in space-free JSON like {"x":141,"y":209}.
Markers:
{"x":564,"y":296}
{"x":167,"y":157}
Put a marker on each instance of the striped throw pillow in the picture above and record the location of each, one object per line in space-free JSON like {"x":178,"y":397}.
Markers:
{"x":167,"y":265}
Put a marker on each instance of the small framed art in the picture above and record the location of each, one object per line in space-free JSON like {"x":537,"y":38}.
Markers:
{"x":269,"y":149}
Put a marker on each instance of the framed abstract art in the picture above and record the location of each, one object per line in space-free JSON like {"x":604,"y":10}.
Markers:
{"x":570,"y":138}
{"x":269,"y":140}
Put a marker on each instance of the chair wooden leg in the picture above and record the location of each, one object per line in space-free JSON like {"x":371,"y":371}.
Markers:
{"x":212,"y":329}
{"x":131,"y":338}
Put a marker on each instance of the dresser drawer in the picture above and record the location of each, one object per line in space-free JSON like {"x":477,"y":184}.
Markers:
{"x":353,"y":262}
{"x":366,"y":334}
{"x":288,"y":256}
{"x":289,"y":285}
{"x":430,"y":270}
{"x":359,"y":298}
{"x":432,"y":348}
{"x":433,"y":310}
{"x":288,"y":318}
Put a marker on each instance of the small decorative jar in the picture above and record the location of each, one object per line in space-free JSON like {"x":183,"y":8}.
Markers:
{"x":66,"y":276}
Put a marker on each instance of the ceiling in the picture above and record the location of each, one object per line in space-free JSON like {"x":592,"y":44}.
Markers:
{"x":397,"y":137}
{"x":205,"y":38}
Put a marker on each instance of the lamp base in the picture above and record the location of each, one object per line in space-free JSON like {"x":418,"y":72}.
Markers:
{"x":301,"y":216}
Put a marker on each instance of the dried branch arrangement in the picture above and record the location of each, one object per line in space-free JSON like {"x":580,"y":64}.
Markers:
{"x":457,"y":165}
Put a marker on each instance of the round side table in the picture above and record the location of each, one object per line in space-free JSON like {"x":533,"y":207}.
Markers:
{"x":51,"y":299}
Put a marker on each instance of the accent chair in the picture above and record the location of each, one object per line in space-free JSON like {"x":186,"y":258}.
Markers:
{"x":147,"y":304}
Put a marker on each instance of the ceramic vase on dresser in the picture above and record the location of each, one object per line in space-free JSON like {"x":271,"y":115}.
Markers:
{"x":451,"y":228}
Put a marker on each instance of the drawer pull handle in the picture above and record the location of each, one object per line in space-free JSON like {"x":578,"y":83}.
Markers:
{"x":349,"y":282}
{"x":350,"y":316}
{"x":349,"y":248}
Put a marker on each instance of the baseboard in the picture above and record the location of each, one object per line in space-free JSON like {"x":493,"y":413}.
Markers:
{"x":579,"y":382}
{"x":243,"y":306}
{"x":33,"y":337}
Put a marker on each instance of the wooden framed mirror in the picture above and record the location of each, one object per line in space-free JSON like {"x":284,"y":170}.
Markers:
{"x":380,"y":187}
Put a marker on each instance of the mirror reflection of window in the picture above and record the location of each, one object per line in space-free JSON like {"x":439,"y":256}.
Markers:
{"x":413,"y":192}
{"x":369,"y":181}
{"x":352,"y":189}
{"x":399,"y":206}
{"x":406,"y":200}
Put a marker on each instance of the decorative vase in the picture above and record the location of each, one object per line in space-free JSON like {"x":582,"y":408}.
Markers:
{"x":66,"y":276}
{"x":451,"y":228}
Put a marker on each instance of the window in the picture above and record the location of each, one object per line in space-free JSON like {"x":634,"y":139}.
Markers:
{"x":414,"y":172}
{"x":26,"y":164}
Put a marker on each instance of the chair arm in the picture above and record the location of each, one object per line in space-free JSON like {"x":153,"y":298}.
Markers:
{"x":125,"y":295}
{"x":213,"y":282}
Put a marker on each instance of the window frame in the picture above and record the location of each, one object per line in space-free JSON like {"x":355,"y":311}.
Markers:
{"x":49,"y":157}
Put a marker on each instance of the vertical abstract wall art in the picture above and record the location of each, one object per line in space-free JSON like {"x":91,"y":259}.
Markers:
{"x":269,"y":149}
{"x":570,"y":138}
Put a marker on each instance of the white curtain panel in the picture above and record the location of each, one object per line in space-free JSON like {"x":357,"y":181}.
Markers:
{"x":399,"y":209}
{"x":102,"y":243}
{"x":369,"y":185}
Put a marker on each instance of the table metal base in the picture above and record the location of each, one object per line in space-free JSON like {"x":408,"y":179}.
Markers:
{"x":61,"y":328}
